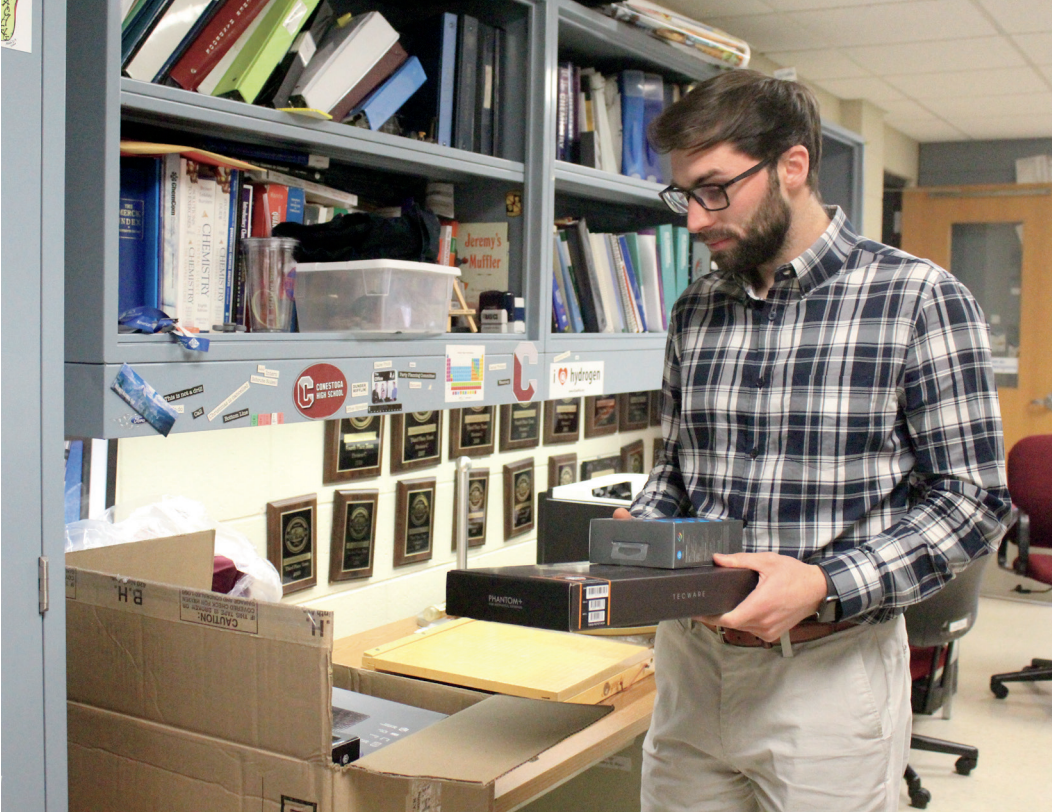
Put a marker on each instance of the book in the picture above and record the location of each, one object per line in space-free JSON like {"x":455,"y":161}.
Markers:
{"x":213,"y":77}
{"x":465,"y":89}
{"x":482,"y":253}
{"x":629,"y":243}
{"x":606,"y":282}
{"x":628,"y":285}
{"x":653,"y":104}
{"x":580,"y":245}
{"x":434,"y":42}
{"x":384,"y":102}
{"x":313,"y":192}
{"x":174,"y":190}
{"x":269,"y":205}
{"x":215,"y":39}
{"x":294,"y":205}
{"x":262,"y":155}
{"x":140,"y":27}
{"x":233,"y":228}
{"x":499,"y":48}
{"x":221,"y":232}
{"x":388,"y":63}
{"x":682,"y":248}
{"x":484,"y":96}
{"x":139,"y":246}
{"x":560,"y":321}
{"x":562,"y":113}
{"x":278,"y":27}
{"x":283,"y":79}
{"x":666,"y":254}
{"x":613,"y":115}
{"x":564,"y":269}
{"x":633,"y":142}
{"x":164,"y":39}
{"x":650,"y":281}
{"x":343,"y":58}
{"x":244,"y":230}
{"x":201,"y":258}
{"x":189,"y":38}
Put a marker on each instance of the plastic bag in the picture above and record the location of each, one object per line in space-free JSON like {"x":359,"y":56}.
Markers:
{"x":172,"y":516}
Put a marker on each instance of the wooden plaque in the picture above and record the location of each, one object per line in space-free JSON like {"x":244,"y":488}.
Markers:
{"x":518,"y":498}
{"x":633,"y":411}
{"x":472,"y":431}
{"x":562,"y":421}
{"x":600,"y":415}
{"x":478,"y":503}
{"x":520,"y":426}
{"x":600,"y":466}
{"x":292,"y":534}
{"x":632,"y":461}
{"x":353,"y":535}
{"x":655,"y":408}
{"x":416,"y":440}
{"x":415,"y":521}
{"x":353,"y":448}
{"x":562,"y":469}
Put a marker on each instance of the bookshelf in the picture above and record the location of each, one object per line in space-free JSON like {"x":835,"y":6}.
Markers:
{"x":102,"y":107}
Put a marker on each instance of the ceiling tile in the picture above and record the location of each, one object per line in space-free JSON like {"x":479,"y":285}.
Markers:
{"x":1006,"y":127}
{"x":867,"y":87}
{"x":968,"y":83}
{"x":964,"y":54}
{"x":703,"y":9}
{"x":1019,"y":16}
{"x":1004,"y":104}
{"x":822,"y":64}
{"x":898,"y":22}
{"x":1038,"y":47}
{"x":771,"y":32}
{"x":806,"y":5}
{"x":930,"y":130}
{"x":905,"y":110}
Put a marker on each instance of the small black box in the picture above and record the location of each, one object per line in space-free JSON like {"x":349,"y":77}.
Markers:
{"x":578,"y":596}
{"x":667,"y":543}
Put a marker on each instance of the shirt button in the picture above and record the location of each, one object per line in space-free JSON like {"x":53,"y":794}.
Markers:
{"x":771,"y":314}
{"x":755,"y":452}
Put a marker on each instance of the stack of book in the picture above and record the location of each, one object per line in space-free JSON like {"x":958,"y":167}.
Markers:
{"x":601,"y":121}
{"x":183,"y":213}
{"x":686,"y":34}
{"x":612,"y":283}
{"x":443,"y":79}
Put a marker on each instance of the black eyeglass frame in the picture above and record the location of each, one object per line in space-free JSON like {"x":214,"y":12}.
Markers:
{"x":722,"y":187}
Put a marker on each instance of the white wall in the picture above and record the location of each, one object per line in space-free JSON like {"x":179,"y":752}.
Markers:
{"x":235,"y":472}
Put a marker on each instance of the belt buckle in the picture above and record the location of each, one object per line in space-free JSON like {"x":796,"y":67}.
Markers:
{"x":722,"y":636}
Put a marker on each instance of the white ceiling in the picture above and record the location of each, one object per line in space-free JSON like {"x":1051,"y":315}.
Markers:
{"x":944,"y":70}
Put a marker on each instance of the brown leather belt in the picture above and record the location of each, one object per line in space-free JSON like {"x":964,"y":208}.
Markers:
{"x":803,"y":632}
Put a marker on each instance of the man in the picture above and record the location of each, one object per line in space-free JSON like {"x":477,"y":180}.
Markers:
{"x":837,"y":396}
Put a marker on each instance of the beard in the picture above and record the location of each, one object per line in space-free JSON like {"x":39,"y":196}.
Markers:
{"x":759,"y":241}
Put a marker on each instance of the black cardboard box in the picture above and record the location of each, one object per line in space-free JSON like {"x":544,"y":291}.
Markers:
{"x":576,"y":596}
{"x":665,"y":543}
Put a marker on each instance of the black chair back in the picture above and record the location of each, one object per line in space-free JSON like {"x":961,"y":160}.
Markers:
{"x":949,"y":613}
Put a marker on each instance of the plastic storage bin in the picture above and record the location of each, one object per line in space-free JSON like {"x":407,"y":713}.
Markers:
{"x":374,"y":295}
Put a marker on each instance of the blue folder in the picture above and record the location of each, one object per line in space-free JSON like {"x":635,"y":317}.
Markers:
{"x":384,"y":102}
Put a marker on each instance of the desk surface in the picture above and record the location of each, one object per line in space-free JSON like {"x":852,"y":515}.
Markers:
{"x":611,"y":734}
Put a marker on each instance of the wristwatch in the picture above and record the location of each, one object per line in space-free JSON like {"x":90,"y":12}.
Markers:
{"x":829,"y":608}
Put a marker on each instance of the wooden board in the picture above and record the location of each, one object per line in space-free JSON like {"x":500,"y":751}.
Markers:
{"x":515,"y":660}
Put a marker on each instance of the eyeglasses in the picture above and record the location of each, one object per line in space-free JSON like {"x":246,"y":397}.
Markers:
{"x":710,"y":196}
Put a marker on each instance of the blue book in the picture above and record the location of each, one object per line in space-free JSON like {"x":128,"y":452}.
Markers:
{"x":572,"y":304}
{"x":682,"y":239}
{"x":633,"y":114}
{"x":633,"y":280}
{"x":385,"y":101}
{"x":139,"y":250}
{"x":667,"y":266}
{"x":559,"y":310}
{"x":294,"y":208}
{"x":434,"y":42}
{"x":232,"y":243}
{"x":653,"y":104}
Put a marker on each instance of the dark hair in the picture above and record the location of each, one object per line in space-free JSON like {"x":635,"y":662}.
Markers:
{"x":757,"y":114}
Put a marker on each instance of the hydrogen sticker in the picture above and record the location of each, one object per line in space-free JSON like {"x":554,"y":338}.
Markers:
{"x":576,"y":378}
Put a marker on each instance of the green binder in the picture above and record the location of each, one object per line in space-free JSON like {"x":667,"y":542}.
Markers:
{"x":264,"y":49}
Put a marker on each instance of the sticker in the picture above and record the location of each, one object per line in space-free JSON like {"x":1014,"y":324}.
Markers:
{"x":144,"y":399}
{"x":198,"y":412}
{"x":415,"y":385}
{"x":561,"y":357}
{"x":384,"y":408}
{"x":268,"y":419}
{"x":412,"y":364}
{"x":418,"y":376}
{"x":212,"y":415}
{"x":261,"y":368}
{"x":179,"y":408}
{"x":383,"y":364}
{"x":513,"y":204}
{"x":235,"y":614}
{"x":271,"y":373}
{"x":424,"y":796}
{"x":525,"y":353}
{"x":501,"y":365}
{"x":16,"y":25}
{"x":351,"y":408}
{"x":260,"y":379}
{"x":228,"y":418}
{"x":575,"y":379}
{"x":320,"y":390}
{"x":504,"y":382}
{"x":360,"y":389}
{"x":464,"y":372}
{"x":71,"y":583}
{"x":294,"y":21}
{"x":185,"y":393}
{"x":296,"y":805}
{"x":385,"y":387}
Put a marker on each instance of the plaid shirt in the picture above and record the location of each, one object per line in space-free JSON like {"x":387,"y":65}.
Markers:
{"x":850,"y":419}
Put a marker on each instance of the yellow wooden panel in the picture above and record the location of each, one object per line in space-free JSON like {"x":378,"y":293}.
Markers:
{"x":507,"y":659}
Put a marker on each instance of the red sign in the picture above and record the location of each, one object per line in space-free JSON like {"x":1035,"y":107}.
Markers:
{"x":320,"y":390}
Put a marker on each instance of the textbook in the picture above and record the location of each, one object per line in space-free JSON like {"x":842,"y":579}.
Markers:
{"x":140,"y":234}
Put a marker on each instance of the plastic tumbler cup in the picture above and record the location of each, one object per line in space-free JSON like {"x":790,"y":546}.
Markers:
{"x":268,"y":282}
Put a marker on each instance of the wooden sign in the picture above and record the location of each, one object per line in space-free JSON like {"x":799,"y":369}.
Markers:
{"x":416,"y":440}
{"x":414,"y":521}
{"x":478,"y":503}
{"x":353,"y":448}
{"x":292,"y":541}
{"x":633,"y":411}
{"x":562,"y":469}
{"x":518,"y":498}
{"x":600,"y":415}
{"x":520,"y":426}
{"x":353,"y":535}
{"x":562,"y":421}
{"x":472,"y":431}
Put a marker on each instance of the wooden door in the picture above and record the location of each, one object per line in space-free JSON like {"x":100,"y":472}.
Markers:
{"x":998,"y":241}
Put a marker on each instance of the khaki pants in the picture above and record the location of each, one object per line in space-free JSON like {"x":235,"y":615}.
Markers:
{"x":746,"y":729}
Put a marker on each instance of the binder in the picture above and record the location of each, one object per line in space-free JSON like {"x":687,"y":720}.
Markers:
{"x":392,"y":94}
{"x":467,"y":68}
{"x":484,"y":88}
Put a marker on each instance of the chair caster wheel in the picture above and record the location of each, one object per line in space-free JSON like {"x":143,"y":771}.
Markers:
{"x":999,"y":689}
{"x":920,"y":798}
{"x":965,"y":765}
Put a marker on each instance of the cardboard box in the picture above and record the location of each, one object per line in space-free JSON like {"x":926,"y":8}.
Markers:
{"x":180,"y":699}
{"x":664,"y":543}
{"x":574,"y":597}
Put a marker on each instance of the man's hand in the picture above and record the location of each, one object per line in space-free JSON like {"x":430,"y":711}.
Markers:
{"x":789,"y":591}
{"x":622,"y":513}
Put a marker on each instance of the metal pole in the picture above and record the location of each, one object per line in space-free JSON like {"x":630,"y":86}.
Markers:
{"x":461,"y":507}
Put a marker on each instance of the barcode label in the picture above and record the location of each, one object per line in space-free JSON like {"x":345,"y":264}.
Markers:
{"x":600,"y":591}
{"x":597,"y":618}
{"x":597,"y":605}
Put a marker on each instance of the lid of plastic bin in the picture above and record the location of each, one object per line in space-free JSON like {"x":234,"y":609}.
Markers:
{"x":378,"y":265}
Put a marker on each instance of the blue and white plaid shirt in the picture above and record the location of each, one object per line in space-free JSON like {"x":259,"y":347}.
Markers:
{"x":850,"y":419}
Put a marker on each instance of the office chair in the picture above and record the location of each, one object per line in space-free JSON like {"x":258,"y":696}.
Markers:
{"x":1030,"y":482}
{"x":934,"y":625}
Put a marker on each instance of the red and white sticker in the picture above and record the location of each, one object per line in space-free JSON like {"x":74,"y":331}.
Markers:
{"x":320,"y":390}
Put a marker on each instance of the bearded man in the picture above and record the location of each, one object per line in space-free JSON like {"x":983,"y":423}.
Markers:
{"x":837,"y":396}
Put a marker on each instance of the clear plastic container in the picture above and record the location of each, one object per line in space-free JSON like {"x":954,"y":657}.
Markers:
{"x":374,"y":295}
{"x":268,"y":273}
